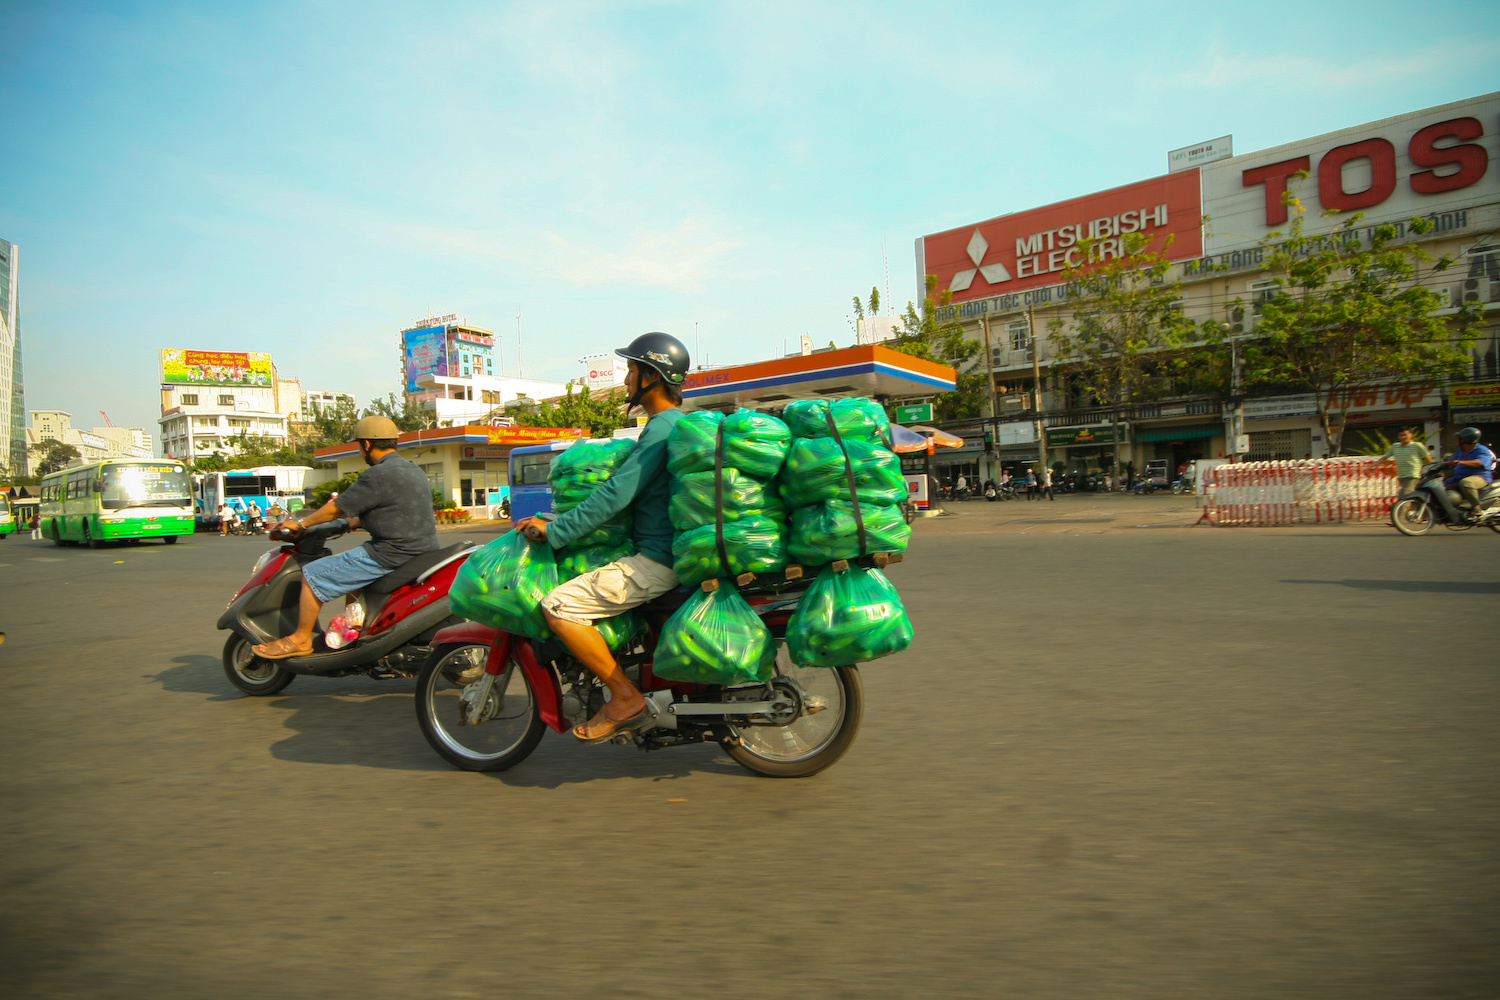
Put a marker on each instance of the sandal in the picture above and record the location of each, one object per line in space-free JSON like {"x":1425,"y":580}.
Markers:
{"x":281,"y":649}
{"x":616,"y":727}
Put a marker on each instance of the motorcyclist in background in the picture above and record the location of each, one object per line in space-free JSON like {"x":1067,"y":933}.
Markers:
{"x":1473,"y":468}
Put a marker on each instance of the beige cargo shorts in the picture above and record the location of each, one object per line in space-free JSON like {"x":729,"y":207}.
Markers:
{"x":610,"y":590}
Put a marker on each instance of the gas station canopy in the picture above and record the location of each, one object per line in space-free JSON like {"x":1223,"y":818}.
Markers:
{"x":866,"y":370}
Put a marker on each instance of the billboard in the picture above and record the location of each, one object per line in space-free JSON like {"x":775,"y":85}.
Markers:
{"x":181,"y":367}
{"x":425,"y":352}
{"x":1031,"y":249}
{"x":604,"y":371}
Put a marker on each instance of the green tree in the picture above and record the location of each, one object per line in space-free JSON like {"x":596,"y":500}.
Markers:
{"x":333,"y":424}
{"x":322,"y":491}
{"x":935,"y":333}
{"x":600,"y":415}
{"x":1349,"y":313}
{"x":406,"y":415}
{"x":53,"y":455}
{"x":1127,"y":337}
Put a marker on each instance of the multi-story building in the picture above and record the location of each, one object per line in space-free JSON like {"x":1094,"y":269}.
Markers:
{"x":209,"y":399}
{"x":1007,"y":280}
{"x":324,"y":401}
{"x":93,"y":445}
{"x":12,"y":390}
{"x":445,"y":346}
{"x":477,"y":399}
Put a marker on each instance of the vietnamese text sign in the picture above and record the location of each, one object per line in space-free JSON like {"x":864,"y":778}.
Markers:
{"x":1064,"y":436}
{"x":181,"y":367}
{"x":915,"y":413}
{"x":515,"y":436}
{"x":1483,"y":394}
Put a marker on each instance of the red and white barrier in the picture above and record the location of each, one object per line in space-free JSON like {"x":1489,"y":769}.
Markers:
{"x":1310,"y":491}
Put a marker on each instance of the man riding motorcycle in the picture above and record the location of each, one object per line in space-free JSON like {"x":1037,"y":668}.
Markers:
{"x":393,"y":502}
{"x":1473,"y":468}
{"x":658,"y":364}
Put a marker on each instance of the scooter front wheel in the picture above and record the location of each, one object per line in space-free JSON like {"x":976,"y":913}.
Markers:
{"x":249,"y":672}
{"x":492,"y":734}
{"x":1412,"y":516}
{"x":811,"y":742}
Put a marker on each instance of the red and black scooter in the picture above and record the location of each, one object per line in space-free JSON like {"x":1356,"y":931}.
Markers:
{"x":404,"y":610}
{"x":486,"y":697}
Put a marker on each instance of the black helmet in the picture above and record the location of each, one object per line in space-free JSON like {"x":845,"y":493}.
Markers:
{"x":660,"y":352}
{"x":1469,"y":435}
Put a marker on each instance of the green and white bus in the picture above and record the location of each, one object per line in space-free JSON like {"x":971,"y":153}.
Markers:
{"x":119,"y":498}
{"x":7,"y":516}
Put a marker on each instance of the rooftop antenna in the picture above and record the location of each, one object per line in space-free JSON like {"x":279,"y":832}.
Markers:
{"x":695,"y":343}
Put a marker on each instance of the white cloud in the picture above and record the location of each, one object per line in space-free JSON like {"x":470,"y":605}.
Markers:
{"x":680,"y":258}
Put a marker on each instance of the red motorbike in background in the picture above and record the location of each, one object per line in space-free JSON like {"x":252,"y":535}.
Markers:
{"x":403,"y":611}
{"x":486,"y":697}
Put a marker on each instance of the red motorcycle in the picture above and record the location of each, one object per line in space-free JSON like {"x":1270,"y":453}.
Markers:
{"x":485,"y":697}
{"x":403,"y":611}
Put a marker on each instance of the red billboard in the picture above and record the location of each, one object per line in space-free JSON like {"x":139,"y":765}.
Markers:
{"x":1032,"y":249}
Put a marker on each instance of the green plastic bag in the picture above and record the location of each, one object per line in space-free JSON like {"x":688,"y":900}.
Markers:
{"x":613,"y":533}
{"x":847,"y":617}
{"x":815,"y":470}
{"x":693,"y":499}
{"x":581,"y":469}
{"x":502,"y":585}
{"x":860,"y":418}
{"x":619,"y":630}
{"x":823,"y":532}
{"x":576,"y":560}
{"x":715,"y":638}
{"x":754,"y":443}
{"x":753,"y":544}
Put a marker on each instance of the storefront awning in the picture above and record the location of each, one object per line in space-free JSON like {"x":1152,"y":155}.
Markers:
{"x":1191,"y":432}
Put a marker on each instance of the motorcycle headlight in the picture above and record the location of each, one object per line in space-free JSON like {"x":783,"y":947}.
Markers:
{"x":260,"y":563}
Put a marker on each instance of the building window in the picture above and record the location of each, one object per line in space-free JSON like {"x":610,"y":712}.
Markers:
{"x":238,"y":422}
{"x":1020,"y":335}
{"x":226,"y":400}
{"x":190,"y":399}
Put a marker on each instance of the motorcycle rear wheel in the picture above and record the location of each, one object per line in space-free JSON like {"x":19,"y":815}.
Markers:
{"x":251,"y":674}
{"x":812,"y":742}
{"x":506,"y":737}
{"x":1412,"y":517}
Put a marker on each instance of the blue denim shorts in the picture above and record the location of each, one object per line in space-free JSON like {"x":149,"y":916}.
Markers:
{"x":342,"y":573}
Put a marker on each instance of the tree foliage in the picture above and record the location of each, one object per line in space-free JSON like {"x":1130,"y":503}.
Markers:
{"x":934,"y":332}
{"x":1349,"y":313}
{"x":53,"y":455}
{"x":600,"y":415}
{"x":406,"y":415}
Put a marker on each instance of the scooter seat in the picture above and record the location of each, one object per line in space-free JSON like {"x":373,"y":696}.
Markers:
{"x":375,"y":594}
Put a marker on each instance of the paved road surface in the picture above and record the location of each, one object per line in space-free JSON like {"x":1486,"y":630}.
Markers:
{"x":1144,"y":763}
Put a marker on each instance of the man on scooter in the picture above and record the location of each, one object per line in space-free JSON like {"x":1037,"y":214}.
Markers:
{"x":1473,"y":468}
{"x":658,"y":366}
{"x":393,"y":502}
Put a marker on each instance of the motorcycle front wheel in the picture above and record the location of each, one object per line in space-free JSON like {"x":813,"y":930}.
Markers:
{"x":812,"y":742}
{"x":510,"y":721}
{"x":1412,"y":516}
{"x":251,"y":674}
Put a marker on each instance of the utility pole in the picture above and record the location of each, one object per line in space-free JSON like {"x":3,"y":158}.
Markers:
{"x":989,"y":377}
{"x":1234,"y":420}
{"x":1036,"y":385}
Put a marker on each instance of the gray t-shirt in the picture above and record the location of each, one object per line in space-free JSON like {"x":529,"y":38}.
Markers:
{"x":394,"y":504}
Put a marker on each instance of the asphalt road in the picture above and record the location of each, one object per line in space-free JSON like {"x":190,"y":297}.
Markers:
{"x":1152,"y":762}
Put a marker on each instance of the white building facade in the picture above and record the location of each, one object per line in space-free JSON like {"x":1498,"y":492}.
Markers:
{"x":210,"y":399}
{"x":95,"y":444}
{"x":456,"y":401}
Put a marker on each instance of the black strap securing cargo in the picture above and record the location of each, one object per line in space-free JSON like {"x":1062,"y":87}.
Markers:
{"x":719,"y":499}
{"x":859,"y":518}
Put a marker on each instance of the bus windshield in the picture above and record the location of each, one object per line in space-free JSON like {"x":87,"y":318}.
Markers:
{"x":531,"y":470}
{"x":138,"y":485}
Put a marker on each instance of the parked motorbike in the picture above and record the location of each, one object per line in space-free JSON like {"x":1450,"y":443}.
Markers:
{"x":403,"y":611}
{"x":1431,"y":502}
{"x":485,"y":697}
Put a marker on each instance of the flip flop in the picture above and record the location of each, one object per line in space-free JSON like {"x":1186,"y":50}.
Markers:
{"x":281,"y":649}
{"x":617,"y":726}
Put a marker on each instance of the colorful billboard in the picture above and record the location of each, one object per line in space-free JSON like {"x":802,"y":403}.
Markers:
{"x":181,"y":367}
{"x":1033,"y":249}
{"x":426,"y":353}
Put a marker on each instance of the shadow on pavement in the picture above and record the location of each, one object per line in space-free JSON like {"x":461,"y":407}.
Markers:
{"x":197,"y":674}
{"x":561,"y":760}
{"x":1411,"y":586}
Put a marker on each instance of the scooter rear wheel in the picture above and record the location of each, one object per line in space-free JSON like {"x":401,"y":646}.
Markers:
{"x":511,"y":723}
{"x":1412,"y":516}
{"x":812,"y":742}
{"x":251,"y":674}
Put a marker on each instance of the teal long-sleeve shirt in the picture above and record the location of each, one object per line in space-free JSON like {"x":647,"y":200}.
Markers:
{"x":641,"y":479}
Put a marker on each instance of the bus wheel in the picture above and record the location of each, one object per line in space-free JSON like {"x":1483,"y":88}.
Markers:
{"x":170,"y":539}
{"x":89,"y":539}
{"x":56,"y":535}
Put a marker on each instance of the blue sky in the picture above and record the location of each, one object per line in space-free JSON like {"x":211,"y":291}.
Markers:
{"x":307,"y":178}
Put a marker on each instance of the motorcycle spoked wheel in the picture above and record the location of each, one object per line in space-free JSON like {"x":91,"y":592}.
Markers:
{"x":512,"y":721}
{"x":812,"y":742}
{"x":251,"y":674}
{"x":1412,"y":517}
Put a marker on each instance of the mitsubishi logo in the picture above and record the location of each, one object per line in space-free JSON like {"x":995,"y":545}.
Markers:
{"x":993,"y":273}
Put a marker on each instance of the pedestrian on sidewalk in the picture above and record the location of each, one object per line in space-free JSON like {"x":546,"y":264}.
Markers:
{"x":1030,"y":482}
{"x":1410,"y":455}
{"x":1046,"y":489}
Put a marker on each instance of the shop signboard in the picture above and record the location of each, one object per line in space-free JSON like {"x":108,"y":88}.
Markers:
{"x":1032,"y":249}
{"x":1281,"y":407}
{"x":484,"y":451}
{"x":604,"y":371}
{"x":426,"y":353}
{"x":1017,"y":434}
{"x":1196,"y":155}
{"x":183,"y":367}
{"x":914,"y":413}
{"x":516,"y":436}
{"x":1477,"y":394}
{"x":1063,"y":437}
{"x":1476,"y":416}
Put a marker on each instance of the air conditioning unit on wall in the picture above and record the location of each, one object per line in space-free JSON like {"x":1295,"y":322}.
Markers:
{"x":1480,"y":289}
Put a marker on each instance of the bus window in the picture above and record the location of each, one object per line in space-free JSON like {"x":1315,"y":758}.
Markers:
{"x":135,"y":485}
{"x":531,"y":470}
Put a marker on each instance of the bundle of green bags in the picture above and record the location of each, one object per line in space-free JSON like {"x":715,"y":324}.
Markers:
{"x":581,"y":469}
{"x":740,"y":494}
{"x":815,"y":481}
{"x":502,"y":585}
{"x":847,"y":617}
{"x":715,"y":638}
